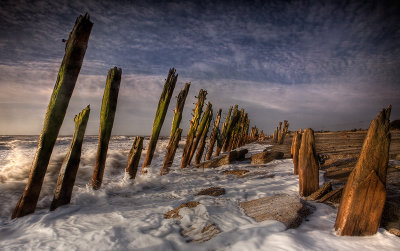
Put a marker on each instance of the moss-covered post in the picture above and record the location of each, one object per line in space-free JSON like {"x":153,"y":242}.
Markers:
{"x":245,"y":130}
{"x":171,"y":150}
{"x":134,"y":157}
{"x":162,"y":109}
{"x":231,"y":125}
{"x":221,"y":139}
{"x":69,"y":70}
{"x":200,"y":130}
{"x":237,"y":131}
{"x":202,"y":142}
{"x":194,"y":123}
{"x":69,"y":168}
{"x":213,"y":136}
{"x":107,"y":114}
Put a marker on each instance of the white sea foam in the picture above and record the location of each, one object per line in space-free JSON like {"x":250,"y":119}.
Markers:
{"x":126,"y":215}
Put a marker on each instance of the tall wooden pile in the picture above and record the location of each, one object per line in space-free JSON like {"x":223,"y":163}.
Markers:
{"x":308,"y":165}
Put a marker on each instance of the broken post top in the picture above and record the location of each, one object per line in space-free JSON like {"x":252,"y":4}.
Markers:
{"x":180,"y":103}
{"x":375,"y":150}
{"x":84,"y":114}
{"x":108,"y":107}
{"x":81,"y":31}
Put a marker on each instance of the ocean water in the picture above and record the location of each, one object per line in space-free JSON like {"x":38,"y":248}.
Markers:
{"x":129,"y":215}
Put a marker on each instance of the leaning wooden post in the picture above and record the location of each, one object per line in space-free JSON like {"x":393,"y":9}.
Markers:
{"x":69,"y":168}
{"x":364,"y":194}
{"x":221,"y":139}
{"x":296,"y":149}
{"x":308,"y":165}
{"x":194,"y":123}
{"x":174,"y":139}
{"x":202,"y":142}
{"x":171,"y":150}
{"x":107,"y":114}
{"x":200,"y":130}
{"x":162,"y":109}
{"x":230,"y":127}
{"x":75,"y":49}
{"x":134,"y":157}
{"x":213,"y":136}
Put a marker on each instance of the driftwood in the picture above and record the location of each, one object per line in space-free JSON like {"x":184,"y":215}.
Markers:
{"x":224,"y":159}
{"x":325,"y":189}
{"x":108,"y":108}
{"x":75,"y":49}
{"x":213,"y":136}
{"x":134,"y":157}
{"x":194,"y":123}
{"x":202,"y":142}
{"x":364,"y":194}
{"x":162,"y":109}
{"x":265,"y":157}
{"x":69,"y":168}
{"x":308,"y":165}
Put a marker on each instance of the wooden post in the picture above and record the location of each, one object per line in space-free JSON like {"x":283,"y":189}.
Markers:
{"x":230,"y":127}
{"x":214,"y":135}
{"x":238,"y":131}
{"x":69,"y":168}
{"x":364,"y":194}
{"x":296,"y":149}
{"x":221,"y":140}
{"x":75,"y":49}
{"x":107,"y":114}
{"x":194,"y":123}
{"x":174,"y":139}
{"x":200,"y":130}
{"x":171,"y":150}
{"x":202,"y":142}
{"x":162,"y":109}
{"x":308,"y":165}
{"x":134,"y":157}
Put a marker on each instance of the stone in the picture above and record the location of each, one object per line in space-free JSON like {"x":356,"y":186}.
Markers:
{"x":174,"y":213}
{"x":212,"y":191}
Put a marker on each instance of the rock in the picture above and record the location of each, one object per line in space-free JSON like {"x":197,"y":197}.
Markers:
{"x":212,"y":191}
{"x":225,"y":159}
{"x":235,"y":172}
{"x":174,"y":213}
{"x":364,"y":194}
{"x":333,"y":197}
{"x":308,"y":165}
{"x":326,"y":188}
{"x":265,"y":157}
{"x":206,"y":233}
{"x":288,"y":209}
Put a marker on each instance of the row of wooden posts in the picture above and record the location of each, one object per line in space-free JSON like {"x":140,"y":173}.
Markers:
{"x":363,"y":196}
{"x":234,"y":132}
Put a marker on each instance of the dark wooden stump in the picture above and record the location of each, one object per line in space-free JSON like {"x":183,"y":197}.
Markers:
{"x":134,"y":157}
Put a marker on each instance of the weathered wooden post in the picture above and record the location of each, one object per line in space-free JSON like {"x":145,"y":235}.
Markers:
{"x":107,"y":114}
{"x":364,"y":195}
{"x":69,"y":168}
{"x":296,"y":149}
{"x":236,"y":131}
{"x":194,"y":123}
{"x":282,"y":133}
{"x":75,"y":49}
{"x":134,"y":157}
{"x":174,"y":139}
{"x":214,"y":135}
{"x":171,"y":150}
{"x":245,"y":130}
{"x":230,"y":127}
{"x":308,"y":165}
{"x":162,"y":109}
{"x":202,"y":142}
{"x":221,"y":139}
{"x":200,"y":130}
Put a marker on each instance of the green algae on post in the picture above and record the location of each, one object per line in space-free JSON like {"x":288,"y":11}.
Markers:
{"x":162,"y":109}
{"x":202,"y":142}
{"x":171,"y":150}
{"x":213,"y":136}
{"x":69,"y":168}
{"x":221,"y":139}
{"x":75,"y":49}
{"x":107,"y":114}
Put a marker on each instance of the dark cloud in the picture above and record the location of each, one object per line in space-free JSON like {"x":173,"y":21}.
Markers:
{"x":316,"y":63}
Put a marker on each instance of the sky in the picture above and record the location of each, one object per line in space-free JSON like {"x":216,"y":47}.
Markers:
{"x":328,"y":65}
